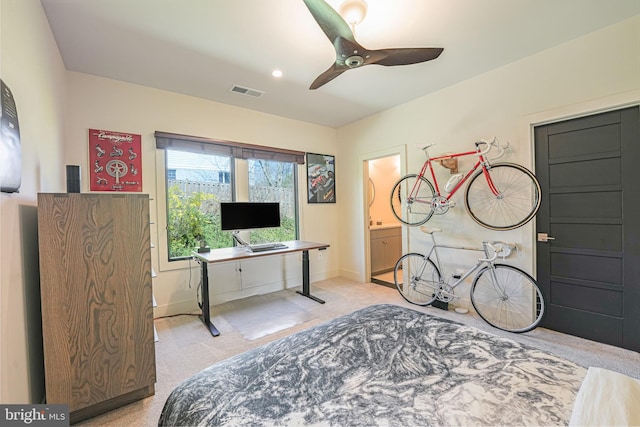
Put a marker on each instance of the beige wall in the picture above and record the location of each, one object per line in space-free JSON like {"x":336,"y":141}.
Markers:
{"x":99,"y":103}
{"x":32,"y":68}
{"x":598,"y":71}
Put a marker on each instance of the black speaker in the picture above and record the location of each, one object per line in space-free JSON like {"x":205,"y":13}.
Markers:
{"x":73,"y":179}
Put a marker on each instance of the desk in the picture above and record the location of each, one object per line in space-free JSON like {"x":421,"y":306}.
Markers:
{"x":238,"y":253}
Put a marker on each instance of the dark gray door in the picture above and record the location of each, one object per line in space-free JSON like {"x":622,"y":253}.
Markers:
{"x":589,"y":171}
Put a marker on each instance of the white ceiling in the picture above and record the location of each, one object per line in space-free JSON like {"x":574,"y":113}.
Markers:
{"x":204,"y":47}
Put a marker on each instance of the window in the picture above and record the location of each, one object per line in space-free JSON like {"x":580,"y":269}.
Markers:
{"x":201,"y":173}
{"x":273,"y":181}
{"x":224,"y":177}
{"x":193,"y":201}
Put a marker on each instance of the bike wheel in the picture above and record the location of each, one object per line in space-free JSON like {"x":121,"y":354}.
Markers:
{"x":509,"y":300}
{"x":411,"y":200}
{"x":518,"y":198}
{"x":417,"y":278}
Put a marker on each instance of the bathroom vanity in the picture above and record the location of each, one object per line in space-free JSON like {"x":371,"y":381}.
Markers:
{"x":386,"y":247}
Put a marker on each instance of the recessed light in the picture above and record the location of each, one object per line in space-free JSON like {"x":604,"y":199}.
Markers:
{"x":276,"y":73}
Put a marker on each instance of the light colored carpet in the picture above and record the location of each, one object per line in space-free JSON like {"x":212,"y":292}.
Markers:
{"x":186,"y":347}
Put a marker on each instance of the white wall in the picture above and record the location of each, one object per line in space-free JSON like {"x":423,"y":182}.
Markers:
{"x":99,"y":103}
{"x":597,"y":71}
{"x":32,"y":68}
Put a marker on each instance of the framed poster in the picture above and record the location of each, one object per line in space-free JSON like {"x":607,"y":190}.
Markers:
{"x":321,"y":178}
{"x":115,"y":161}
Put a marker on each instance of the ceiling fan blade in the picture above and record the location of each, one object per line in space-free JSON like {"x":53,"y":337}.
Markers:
{"x":403,"y":56}
{"x":329,"y":20}
{"x":350,"y":54}
{"x":334,"y":71}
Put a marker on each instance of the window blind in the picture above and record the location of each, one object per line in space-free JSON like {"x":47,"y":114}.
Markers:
{"x":197,"y":144}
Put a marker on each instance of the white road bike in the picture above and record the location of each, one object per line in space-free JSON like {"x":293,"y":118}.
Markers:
{"x":503,"y":295}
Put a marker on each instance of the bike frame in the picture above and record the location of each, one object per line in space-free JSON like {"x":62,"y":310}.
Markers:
{"x":488,"y":260}
{"x":482,"y":162}
{"x":481,"y":261}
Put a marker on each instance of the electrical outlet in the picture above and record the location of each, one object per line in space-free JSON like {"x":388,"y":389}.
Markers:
{"x":459,"y":272}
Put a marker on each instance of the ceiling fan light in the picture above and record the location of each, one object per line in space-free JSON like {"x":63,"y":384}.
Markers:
{"x":353,"y":11}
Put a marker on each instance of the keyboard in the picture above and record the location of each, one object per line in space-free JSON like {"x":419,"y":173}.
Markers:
{"x":267,"y":247}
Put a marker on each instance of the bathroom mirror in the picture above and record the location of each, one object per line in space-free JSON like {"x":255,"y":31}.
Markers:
{"x":372,"y":192}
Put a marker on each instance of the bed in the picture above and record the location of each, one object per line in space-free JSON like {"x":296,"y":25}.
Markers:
{"x":381,"y":365}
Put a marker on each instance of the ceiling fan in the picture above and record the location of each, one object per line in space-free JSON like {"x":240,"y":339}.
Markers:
{"x":350,"y":54}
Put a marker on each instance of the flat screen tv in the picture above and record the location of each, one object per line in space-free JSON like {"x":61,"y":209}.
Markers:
{"x":247,"y":215}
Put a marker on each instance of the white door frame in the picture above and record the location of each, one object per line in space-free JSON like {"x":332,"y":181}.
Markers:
{"x":397,"y":150}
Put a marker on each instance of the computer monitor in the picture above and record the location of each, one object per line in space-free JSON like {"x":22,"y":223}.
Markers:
{"x":248,"y":215}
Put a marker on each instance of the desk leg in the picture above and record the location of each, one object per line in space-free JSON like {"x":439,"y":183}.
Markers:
{"x":305,"y":278}
{"x":206,"y":313}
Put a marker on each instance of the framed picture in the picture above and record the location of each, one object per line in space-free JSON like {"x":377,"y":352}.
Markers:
{"x":321,"y":178}
{"x":115,"y":161}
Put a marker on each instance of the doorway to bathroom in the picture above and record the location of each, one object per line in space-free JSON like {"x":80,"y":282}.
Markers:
{"x":385,"y":231}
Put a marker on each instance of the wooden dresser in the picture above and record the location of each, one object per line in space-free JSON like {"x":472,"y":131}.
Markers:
{"x":97,"y":315}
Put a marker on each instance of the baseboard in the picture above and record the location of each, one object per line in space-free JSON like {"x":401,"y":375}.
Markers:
{"x":108,"y":405}
{"x":355,"y":276}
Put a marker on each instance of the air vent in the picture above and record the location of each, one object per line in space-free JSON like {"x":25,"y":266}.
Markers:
{"x":247,"y":91}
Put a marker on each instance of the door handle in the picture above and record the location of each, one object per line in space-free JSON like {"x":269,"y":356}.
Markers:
{"x":543,"y":237}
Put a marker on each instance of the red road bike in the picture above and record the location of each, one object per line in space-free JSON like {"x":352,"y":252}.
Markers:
{"x":502,"y":196}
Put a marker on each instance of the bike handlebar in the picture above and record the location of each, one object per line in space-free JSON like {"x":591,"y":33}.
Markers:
{"x":486,"y":150}
{"x":490,"y":145}
{"x":501,"y":249}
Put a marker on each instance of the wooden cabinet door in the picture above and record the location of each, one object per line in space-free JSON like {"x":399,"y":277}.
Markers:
{"x":377,"y":255}
{"x":97,"y":315}
{"x":393,"y":250}
{"x":386,"y":247}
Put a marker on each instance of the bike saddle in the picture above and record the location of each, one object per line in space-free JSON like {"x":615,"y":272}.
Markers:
{"x":427,"y":230}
